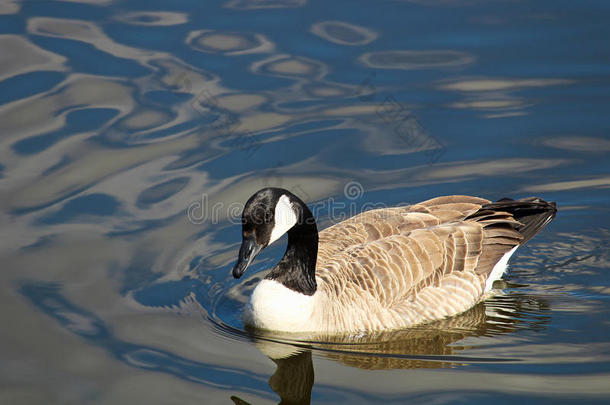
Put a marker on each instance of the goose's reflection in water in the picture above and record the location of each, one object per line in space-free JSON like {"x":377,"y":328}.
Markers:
{"x":435,"y":345}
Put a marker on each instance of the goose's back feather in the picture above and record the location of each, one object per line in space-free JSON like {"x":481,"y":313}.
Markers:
{"x":380,"y":223}
{"x":396,"y":267}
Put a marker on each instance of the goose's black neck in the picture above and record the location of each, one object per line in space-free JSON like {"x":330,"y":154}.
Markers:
{"x":297,"y":269}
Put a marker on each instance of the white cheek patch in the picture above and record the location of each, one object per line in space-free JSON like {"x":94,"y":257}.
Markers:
{"x":285,"y":218}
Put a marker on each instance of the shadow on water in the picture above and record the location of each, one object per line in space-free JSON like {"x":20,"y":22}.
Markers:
{"x":436,"y":345}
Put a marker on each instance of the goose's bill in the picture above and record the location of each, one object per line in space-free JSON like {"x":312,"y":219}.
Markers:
{"x":247,"y":252}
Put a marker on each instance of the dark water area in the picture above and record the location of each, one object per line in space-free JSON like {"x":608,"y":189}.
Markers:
{"x":133,"y":132}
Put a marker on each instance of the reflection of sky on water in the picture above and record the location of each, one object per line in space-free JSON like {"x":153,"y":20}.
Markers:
{"x":116,"y":118}
{"x":343,"y":33}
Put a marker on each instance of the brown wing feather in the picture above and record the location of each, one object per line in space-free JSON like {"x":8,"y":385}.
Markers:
{"x":375,"y":224}
{"x":391,"y":254}
{"x":399,"y":273}
{"x":399,"y":266}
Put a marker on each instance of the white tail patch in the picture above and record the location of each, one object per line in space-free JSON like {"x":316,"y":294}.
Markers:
{"x":285,"y":218}
{"x":499,"y":269}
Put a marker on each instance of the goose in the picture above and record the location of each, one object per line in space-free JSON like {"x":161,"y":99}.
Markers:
{"x":383,"y":269}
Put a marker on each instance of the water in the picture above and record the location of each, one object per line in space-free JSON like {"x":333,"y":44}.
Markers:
{"x":131,"y":134}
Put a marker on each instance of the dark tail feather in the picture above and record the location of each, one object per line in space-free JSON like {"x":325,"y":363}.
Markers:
{"x":532,"y":213}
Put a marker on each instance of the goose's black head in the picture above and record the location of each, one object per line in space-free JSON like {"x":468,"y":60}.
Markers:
{"x":267,"y":215}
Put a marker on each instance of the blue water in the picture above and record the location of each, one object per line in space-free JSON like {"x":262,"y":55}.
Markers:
{"x":132,"y":134}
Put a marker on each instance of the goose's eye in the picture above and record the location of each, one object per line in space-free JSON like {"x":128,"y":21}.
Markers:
{"x":268,"y":217}
{"x":258,"y":216}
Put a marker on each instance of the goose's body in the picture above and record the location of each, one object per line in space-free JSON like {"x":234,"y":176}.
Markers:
{"x":382,"y":269}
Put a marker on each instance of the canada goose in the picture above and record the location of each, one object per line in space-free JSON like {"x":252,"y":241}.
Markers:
{"x":382,"y":269}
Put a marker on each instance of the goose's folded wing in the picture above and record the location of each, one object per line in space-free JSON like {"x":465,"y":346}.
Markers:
{"x":393,"y":269}
{"x":402,"y":266}
{"x":381,"y":223}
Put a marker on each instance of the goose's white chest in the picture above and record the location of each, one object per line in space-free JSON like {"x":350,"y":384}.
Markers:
{"x":275,"y":307}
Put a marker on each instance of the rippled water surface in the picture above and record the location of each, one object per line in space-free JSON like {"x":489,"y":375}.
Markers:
{"x":132,"y":131}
